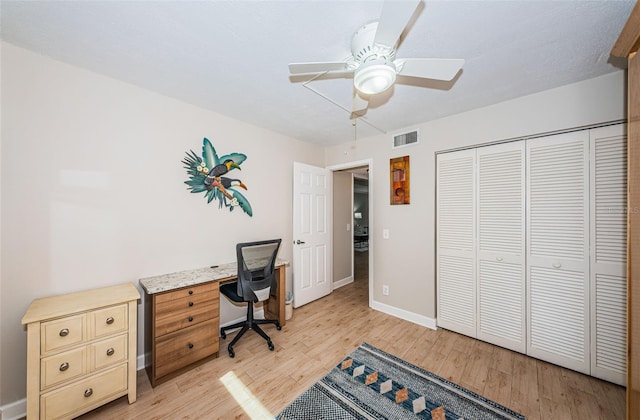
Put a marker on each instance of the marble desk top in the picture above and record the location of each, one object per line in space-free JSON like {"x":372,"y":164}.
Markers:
{"x":166,"y":282}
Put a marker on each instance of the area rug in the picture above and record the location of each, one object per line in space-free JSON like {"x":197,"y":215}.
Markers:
{"x":372,"y":384}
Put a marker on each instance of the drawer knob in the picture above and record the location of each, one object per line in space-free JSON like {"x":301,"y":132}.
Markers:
{"x":190,"y":303}
{"x":110,"y":351}
{"x":190,"y":345}
{"x":190,"y":292}
{"x":64,"y":332}
{"x":64,"y":366}
{"x":190,"y":319}
{"x":110,"y":320}
{"x":88,"y":392}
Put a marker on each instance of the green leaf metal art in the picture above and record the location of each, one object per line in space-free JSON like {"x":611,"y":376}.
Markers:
{"x":206,"y":176}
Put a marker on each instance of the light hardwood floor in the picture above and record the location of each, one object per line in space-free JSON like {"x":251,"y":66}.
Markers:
{"x":321,"y":333}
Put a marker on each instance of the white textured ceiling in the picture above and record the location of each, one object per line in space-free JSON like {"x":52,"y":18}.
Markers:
{"x":231,"y":56}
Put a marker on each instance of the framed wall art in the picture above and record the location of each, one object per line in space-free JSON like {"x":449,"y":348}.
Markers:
{"x":399,"y":180}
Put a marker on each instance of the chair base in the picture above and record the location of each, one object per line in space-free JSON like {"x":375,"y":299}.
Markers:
{"x":249,"y":324}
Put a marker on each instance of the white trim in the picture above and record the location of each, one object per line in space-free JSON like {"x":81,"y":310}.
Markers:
{"x":425,"y":321}
{"x":343,"y":282}
{"x":14,"y":410}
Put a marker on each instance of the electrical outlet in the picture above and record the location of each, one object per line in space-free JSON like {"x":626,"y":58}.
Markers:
{"x":385,"y":290}
{"x":385,"y":233}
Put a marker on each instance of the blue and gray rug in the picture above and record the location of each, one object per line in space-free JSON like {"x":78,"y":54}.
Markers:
{"x":372,"y":384}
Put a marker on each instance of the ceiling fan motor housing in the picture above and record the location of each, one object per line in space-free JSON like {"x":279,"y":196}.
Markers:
{"x":363,"y":48}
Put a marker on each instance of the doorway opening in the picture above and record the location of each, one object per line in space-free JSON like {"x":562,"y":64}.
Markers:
{"x":353,"y":221}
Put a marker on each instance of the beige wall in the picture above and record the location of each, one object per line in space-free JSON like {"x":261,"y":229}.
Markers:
{"x":92,"y":190}
{"x":406,"y":261}
{"x":342,"y":227}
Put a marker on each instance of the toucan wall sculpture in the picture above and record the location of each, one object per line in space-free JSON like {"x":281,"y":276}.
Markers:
{"x":207,"y":175}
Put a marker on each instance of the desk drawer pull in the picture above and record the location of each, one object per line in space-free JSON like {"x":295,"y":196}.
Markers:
{"x":88,"y":392}
{"x":64,"y":366}
{"x":110,"y":351}
{"x":190,"y":345}
{"x":190,"y":303}
{"x":110,"y":320}
{"x":64,"y":332}
{"x":190,"y":292}
{"x":190,"y":319}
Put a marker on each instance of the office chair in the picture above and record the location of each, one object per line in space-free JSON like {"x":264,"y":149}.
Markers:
{"x":256,"y":281}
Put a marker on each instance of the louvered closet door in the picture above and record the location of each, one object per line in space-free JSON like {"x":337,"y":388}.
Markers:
{"x":557,"y":243}
{"x":609,"y":253}
{"x":501,"y":251}
{"x":455,"y":223}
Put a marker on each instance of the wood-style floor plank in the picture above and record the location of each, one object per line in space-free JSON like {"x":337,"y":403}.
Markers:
{"x":321,"y":333}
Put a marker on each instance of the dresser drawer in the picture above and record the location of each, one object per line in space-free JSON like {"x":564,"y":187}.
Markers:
{"x":63,"y":332}
{"x":185,"y":292}
{"x":181,"y":348}
{"x":108,"y":352}
{"x":186,"y":317}
{"x":109,"y":320}
{"x":63,"y":402}
{"x":63,"y":367}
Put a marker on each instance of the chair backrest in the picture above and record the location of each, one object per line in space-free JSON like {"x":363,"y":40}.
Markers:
{"x":256,"y":267}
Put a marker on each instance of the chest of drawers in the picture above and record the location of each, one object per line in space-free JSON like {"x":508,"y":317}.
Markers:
{"x":183,"y":330}
{"x":81,"y":351}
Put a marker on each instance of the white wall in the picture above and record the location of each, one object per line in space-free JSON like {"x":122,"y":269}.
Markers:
{"x":92,"y":190}
{"x":406,"y":261}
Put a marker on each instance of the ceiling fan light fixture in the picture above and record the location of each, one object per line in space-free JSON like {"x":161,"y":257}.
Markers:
{"x":374,"y":77}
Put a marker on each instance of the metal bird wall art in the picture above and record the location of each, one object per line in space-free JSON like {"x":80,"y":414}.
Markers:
{"x":206,"y":175}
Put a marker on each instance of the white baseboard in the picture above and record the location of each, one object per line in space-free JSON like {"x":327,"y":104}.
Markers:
{"x":425,"y":321}
{"x":14,"y":411}
{"x":343,"y":282}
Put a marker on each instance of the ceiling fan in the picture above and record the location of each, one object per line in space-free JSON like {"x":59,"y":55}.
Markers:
{"x":373,"y":61}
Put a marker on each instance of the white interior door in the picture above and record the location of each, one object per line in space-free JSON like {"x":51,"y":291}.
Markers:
{"x":609,"y":253}
{"x":558,"y":247}
{"x":312,"y":226}
{"x":501,"y":250}
{"x":455,"y":224}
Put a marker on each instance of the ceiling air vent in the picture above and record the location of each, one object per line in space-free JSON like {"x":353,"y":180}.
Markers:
{"x":405,"y":139}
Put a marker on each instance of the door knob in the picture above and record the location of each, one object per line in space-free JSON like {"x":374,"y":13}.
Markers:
{"x":299,"y":242}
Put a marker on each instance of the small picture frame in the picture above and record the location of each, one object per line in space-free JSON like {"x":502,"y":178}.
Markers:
{"x":399,"y":181}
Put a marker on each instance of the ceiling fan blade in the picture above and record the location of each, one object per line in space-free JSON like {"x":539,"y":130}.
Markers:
{"x":359,"y":105}
{"x":430,"y":68}
{"x":301,"y":68}
{"x":394,"y":18}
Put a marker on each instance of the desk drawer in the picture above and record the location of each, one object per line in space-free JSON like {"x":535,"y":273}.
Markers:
{"x":62,"y":367}
{"x":62,"y":332}
{"x":183,"y":347}
{"x":90,"y":392}
{"x":201,"y":311}
{"x":186,"y":292}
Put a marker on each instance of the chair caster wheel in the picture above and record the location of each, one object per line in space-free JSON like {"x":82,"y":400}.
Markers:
{"x":271,"y":346}
{"x":278,"y":326}
{"x":223,"y":335}
{"x":232,"y":354}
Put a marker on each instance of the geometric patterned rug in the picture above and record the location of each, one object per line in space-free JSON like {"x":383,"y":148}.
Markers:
{"x":372,"y":384}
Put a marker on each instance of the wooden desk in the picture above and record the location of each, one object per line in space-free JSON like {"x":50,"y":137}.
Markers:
{"x":182,"y":322}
